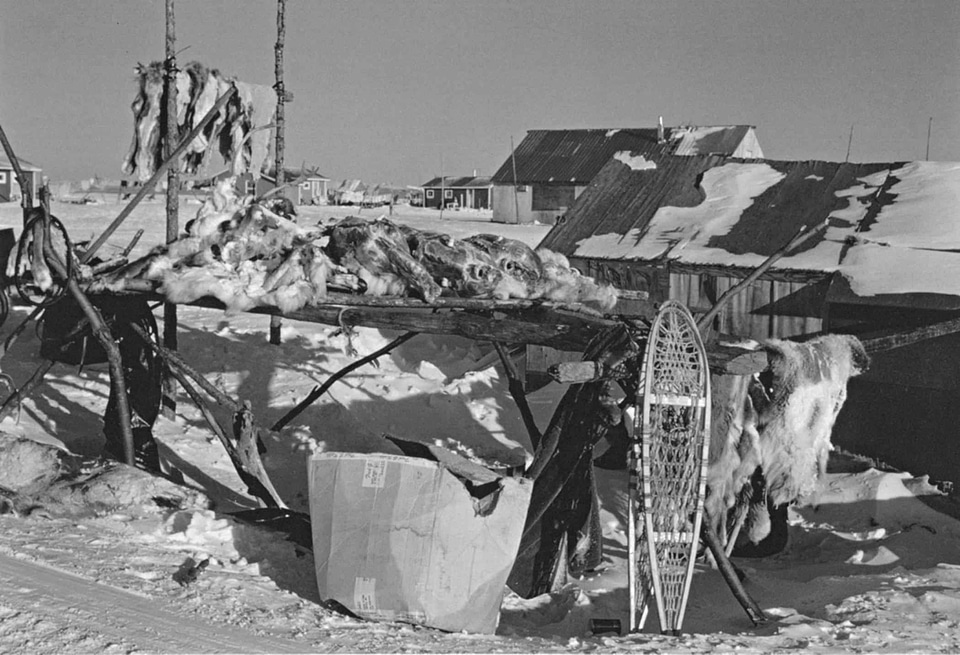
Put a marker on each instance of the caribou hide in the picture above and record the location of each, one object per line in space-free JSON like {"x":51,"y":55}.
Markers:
{"x":777,"y":425}
{"x":241,"y":130}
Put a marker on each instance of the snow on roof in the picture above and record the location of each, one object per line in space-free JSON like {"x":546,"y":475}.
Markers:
{"x":924,"y":211}
{"x":894,"y":228}
{"x":873,"y":269}
{"x":637,"y":163}
{"x":682,"y":232}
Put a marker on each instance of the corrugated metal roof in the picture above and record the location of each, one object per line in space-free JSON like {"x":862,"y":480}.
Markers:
{"x":576,"y":156}
{"x":24,"y":164}
{"x":893,"y":235}
{"x":756,"y":206}
{"x":458,"y":182}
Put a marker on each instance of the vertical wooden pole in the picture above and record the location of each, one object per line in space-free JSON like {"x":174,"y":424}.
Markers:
{"x":275,"y":321}
{"x":516,"y":199}
{"x":169,"y":405}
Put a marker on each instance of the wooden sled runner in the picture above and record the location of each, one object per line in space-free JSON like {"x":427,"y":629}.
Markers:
{"x":668,"y":468}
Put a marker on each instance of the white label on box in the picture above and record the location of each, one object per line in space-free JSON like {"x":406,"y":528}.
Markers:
{"x":364,"y":595}
{"x":374,"y":473}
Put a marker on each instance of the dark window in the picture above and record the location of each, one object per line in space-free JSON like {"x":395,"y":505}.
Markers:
{"x":551,"y":198}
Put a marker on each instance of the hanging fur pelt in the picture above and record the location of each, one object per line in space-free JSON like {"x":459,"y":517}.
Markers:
{"x":777,"y":425}
{"x":807,"y":386}
{"x":241,"y":131}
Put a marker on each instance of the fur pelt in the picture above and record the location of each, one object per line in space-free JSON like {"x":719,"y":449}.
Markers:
{"x":242,"y":130}
{"x":734,"y":446}
{"x":807,"y":387}
{"x":778,"y":426}
{"x":562,"y":283}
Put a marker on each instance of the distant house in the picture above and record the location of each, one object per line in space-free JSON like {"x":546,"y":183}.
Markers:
{"x":311,"y":190}
{"x":689,"y":228}
{"x":350,"y":192}
{"x":9,"y":187}
{"x":471,"y":192}
{"x":550,"y":168}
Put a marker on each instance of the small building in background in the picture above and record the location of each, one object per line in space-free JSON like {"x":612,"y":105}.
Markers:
{"x":470,"y":192}
{"x":9,"y":186}
{"x":311,"y":189}
{"x":549,"y":170}
{"x":350,"y":192}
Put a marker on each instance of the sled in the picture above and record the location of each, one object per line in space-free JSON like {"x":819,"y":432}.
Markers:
{"x":668,"y":468}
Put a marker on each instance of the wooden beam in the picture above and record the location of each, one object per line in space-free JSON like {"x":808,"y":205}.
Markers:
{"x":875,"y":343}
{"x":802,"y":236}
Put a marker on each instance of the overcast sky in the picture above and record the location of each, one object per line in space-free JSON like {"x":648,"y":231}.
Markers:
{"x":386,"y":90}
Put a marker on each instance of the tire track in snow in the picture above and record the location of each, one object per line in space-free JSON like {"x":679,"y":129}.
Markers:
{"x":71,"y":601}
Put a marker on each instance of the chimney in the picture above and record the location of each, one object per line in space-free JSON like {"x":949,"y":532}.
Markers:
{"x":660,"y":138}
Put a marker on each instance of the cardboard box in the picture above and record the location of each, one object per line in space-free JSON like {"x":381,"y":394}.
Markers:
{"x":428,"y":541}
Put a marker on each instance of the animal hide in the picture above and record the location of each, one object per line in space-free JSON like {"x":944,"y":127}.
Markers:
{"x":241,"y":253}
{"x":807,"y":386}
{"x":777,"y":425}
{"x":455,"y":264}
{"x":378,"y":253}
{"x":734,"y":447}
{"x":242,"y":129}
{"x":561,"y":283}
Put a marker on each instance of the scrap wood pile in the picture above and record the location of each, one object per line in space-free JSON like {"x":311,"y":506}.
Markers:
{"x":251,"y":254}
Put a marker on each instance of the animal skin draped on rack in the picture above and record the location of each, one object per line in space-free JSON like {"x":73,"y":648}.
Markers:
{"x":247,"y":254}
{"x":778,"y":425}
{"x":241,"y":131}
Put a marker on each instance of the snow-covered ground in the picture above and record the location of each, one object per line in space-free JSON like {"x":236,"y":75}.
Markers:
{"x":870,"y":566}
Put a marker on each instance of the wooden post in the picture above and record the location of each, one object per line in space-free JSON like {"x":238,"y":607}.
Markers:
{"x":516,"y":198}
{"x":169,"y":404}
{"x":26,"y":187}
{"x":276,"y":322}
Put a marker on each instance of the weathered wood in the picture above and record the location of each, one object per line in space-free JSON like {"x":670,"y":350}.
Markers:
{"x":802,"y":236}
{"x":749,"y":605}
{"x":515,"y":385}
{"x":26,"y":186}
{"x":504,"y":321}
{"x":255,"y":486}
{"x":276,"y":322}
{"x":100,"y":331}
{"x":576,"y":372}
{"x":730,"y":360}
{"x":246,"y":433}
{"x":875,"y":343}
{"x":168,"y":405}
{"x":173,"y":358}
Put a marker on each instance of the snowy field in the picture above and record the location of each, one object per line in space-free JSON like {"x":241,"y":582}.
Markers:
{"x":870,"y":566}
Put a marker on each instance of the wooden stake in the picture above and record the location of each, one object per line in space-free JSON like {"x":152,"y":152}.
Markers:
{"x":168,"y":405}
